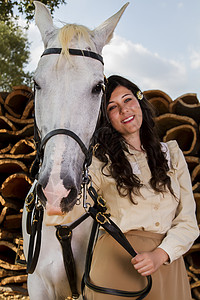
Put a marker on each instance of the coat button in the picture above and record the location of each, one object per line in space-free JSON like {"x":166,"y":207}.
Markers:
{"x":157,"y":224}
{"x":156,"y":206}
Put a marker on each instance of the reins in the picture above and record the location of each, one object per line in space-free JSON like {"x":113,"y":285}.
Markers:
{"x":64,"y":233}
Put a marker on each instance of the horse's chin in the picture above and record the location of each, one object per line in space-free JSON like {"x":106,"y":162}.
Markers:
{"x":66,"y":205}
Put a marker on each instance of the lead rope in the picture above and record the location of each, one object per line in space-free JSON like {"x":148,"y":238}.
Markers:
{"x":101,"y":218}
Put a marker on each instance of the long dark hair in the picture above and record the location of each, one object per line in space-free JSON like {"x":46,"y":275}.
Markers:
{"x":111,"y":146}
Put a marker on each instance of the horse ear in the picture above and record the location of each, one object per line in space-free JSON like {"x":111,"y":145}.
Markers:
{"x":43,"y":21}
{"x":104,"y":33}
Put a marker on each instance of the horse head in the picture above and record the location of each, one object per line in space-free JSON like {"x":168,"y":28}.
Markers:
{"x":68,"y":93}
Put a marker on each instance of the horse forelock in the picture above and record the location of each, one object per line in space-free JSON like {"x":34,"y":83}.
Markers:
{"x":70,"y":31}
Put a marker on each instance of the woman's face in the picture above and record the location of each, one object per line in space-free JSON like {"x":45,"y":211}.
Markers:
{"x":124,"y":112}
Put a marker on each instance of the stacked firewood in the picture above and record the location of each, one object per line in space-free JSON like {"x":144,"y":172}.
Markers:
{"x":17,"y":152}
{"x":180,"y":120}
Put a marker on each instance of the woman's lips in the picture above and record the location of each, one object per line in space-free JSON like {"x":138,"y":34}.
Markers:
{"x":127,"y":120}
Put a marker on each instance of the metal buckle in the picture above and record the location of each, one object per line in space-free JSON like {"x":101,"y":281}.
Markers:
{"x":29,"y":200}
{"x":100,"y":216}
{"x":101,"y":201}
{"x":65,"y":235}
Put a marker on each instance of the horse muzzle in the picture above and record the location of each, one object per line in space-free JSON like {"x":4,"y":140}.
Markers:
{"x":57,"y":201}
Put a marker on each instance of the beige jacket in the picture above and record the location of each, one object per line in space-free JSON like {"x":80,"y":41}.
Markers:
{"x":153,"y":211}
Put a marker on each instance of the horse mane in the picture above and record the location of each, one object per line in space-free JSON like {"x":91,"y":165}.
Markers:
{"x":69,"y":31}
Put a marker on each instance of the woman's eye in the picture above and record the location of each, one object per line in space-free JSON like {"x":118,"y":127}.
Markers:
{"x":127,"y":100}
{"x":111,"y":108}
{"x":36,"y":85}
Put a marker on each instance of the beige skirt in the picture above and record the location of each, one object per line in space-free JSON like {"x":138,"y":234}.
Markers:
{"x":112,"y":268}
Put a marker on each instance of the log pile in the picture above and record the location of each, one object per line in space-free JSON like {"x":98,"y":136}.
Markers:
{"x":17,"y":152}
{"x":180,"y":120}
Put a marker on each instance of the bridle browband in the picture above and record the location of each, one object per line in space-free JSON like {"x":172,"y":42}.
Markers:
{"x":76,"y":52}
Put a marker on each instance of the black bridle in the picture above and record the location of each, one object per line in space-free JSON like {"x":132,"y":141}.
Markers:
{"x":41,"y":143}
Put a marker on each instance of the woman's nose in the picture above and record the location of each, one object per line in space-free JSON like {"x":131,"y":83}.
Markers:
{"x":123,"y":109}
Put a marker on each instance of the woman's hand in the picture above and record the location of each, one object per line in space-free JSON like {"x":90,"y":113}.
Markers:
{"x":147,"y":263}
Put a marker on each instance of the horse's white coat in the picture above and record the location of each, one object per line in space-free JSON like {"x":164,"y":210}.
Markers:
{"x":64,"y":100}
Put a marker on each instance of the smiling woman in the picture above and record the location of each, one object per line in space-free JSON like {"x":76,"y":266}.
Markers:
{"x":125,"y":114}
{"x":148,"y":193}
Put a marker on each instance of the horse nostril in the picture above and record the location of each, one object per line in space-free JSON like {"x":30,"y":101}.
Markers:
{"x":67,"y":203}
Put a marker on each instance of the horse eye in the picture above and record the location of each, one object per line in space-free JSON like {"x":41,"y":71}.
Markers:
{"x":36,"y":85}
{"x":97,"y":88}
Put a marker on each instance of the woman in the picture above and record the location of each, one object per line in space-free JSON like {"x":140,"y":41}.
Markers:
{"x":147,"y":188}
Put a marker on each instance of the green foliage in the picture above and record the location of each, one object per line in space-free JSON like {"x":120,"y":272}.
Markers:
{"x":14,"y":55}
{"x":25,"y":7}
{"x":14,"y":46}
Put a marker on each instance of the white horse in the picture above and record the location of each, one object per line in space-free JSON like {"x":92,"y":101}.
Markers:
{"x":68,"y":92}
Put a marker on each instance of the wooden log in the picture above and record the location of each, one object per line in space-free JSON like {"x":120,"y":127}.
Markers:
{"x":186,"y":136}
{"x":29,"y":157}
{"x":16,"y":186}
{"x":168,"y":121}
{"x":13,"y":290}
{"x":14,"y":279}
{"x":196,"y":174}
{"x":1,"y":99}
{"x":19,"y":122}
{"x":10,"y":166}
{"x":28,"y":111}
{"x":192,"y":162}
{"x":186,"y":99}
{"x":160,"y":101}
{"x":8,"y":235}
{"x":11,"y":266}
{"x":3,"y":214}
{"x":5,"y":148}
{"x":196,"y":187}
{"x":6,"y":273}
{"x":8,"y":136}
{"x":8,"y":253}
{"x":157,"y":93}
{"x":5,"y":123}
{"x":11,"y":203}
{"x":185,"y":109}
{"x":3,"y":96}
{"x":1,"y":110}
{"x":161,"y":105}
{"x":197,"y":200}
{"x":17,"y":100}
{"x":13,"y":221}
{"x":24,"y":146}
